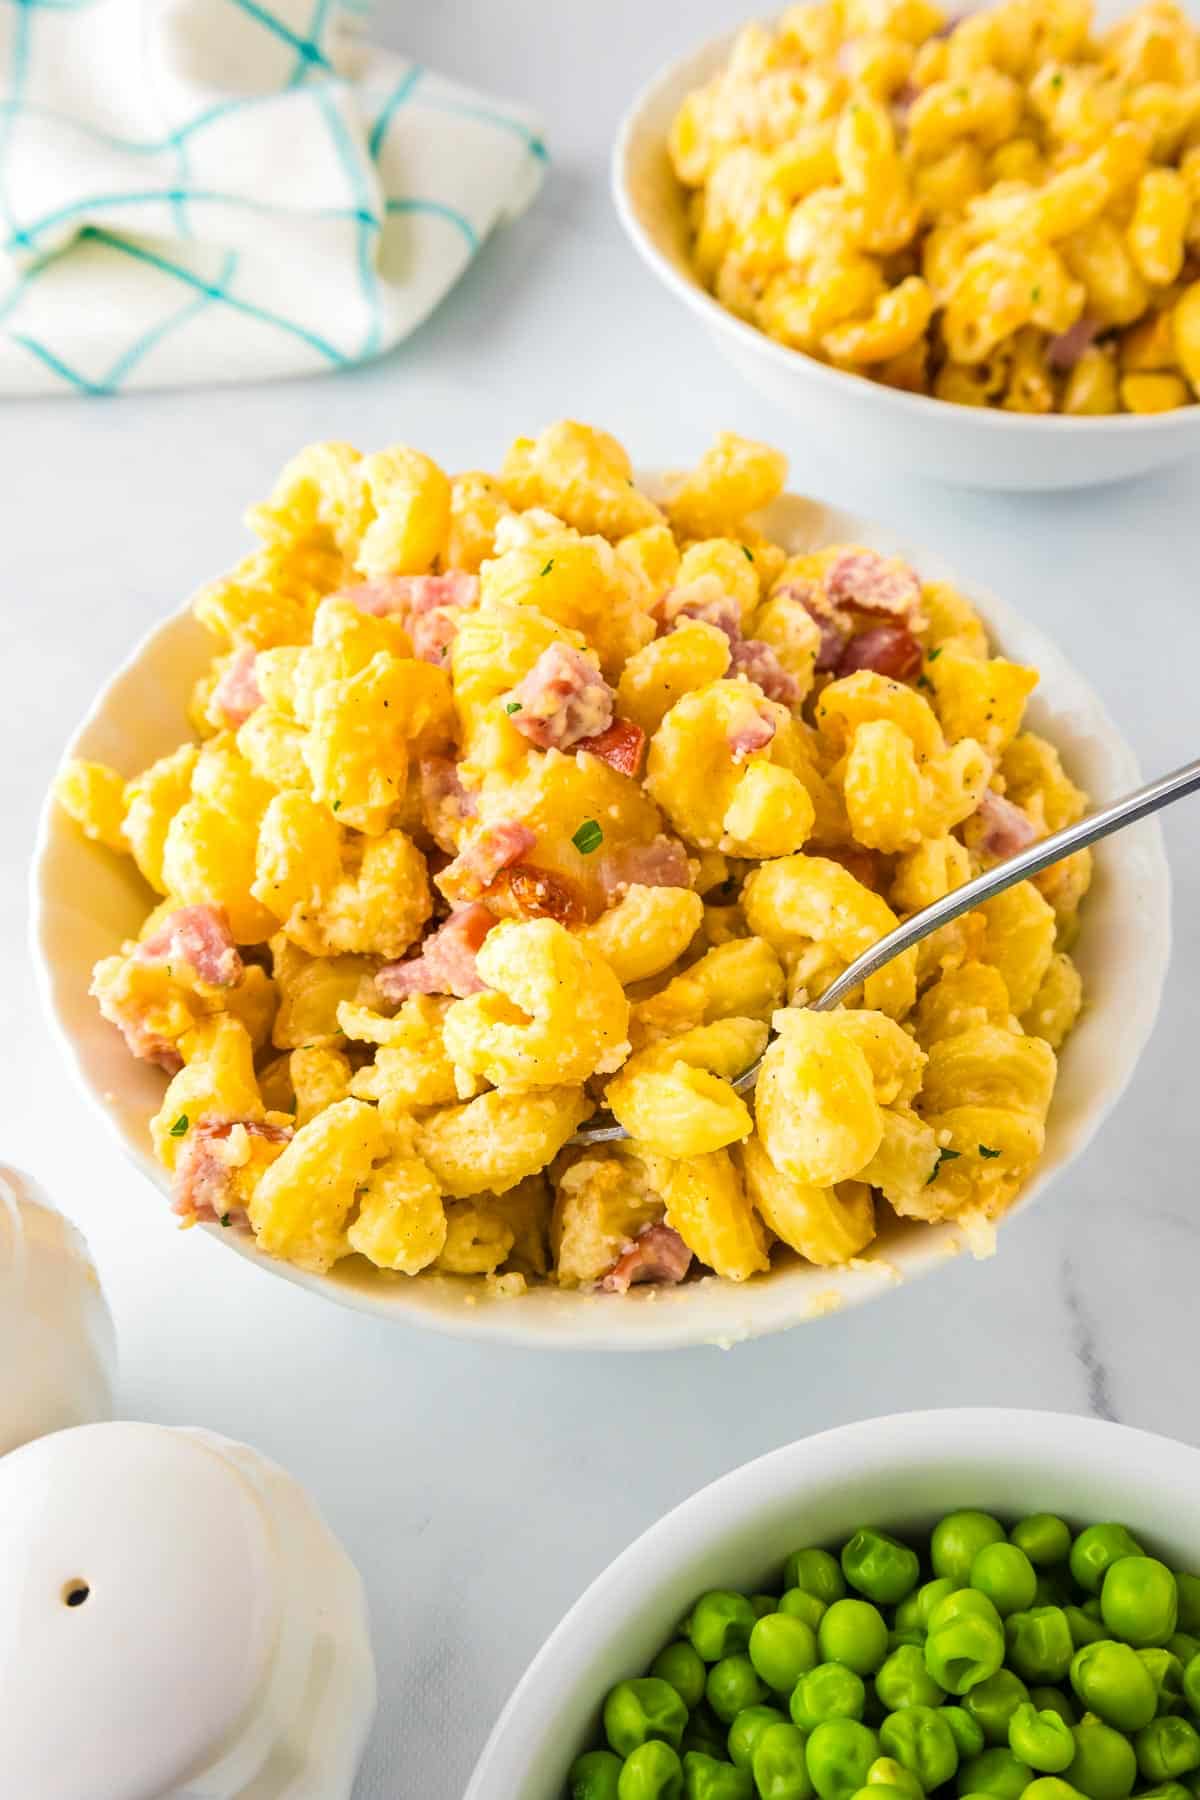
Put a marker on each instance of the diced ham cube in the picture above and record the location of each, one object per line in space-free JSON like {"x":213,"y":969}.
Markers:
{"x":203,"y":1184}
{"x":477,"y":865}
{"x":446,"y":961}
{"x":1006,"y":829}
{"x":663,"y":863}
{"x":758,"y":662}
{"x":413,"y":594}
{"x":433,"y":632}
{"x":875,"y":584}
{"x":887,"y":649}
{"x":658,"y":1253}
{"x":199,"y":936}
{"x":1065,"y":350}
{"x":834,"y":627}
{"x":705,"y":601}
{"x":237,"y":694}
{"x":147,"y":1045}
{"x":752,"y":731}
{"x":563,"y":698}
{"x":523,"y":891}
{"x":621,"y":746}
{"x":445,"y":802}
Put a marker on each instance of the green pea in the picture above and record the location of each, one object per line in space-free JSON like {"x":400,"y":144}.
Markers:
{"x":959,"y":1604}
{"x":885,"y":1772}
{"x":1113,"y":1682}
{"x":993,"y":1702}
{"x":853,"y":1632}
{"x":1104,"y":1766}
{"x":704,"y":1778}
{"x":732,"y":1684}
{"x":763,"y":1604}
{"x":1041,"y":1739}
{"x":882,"y":1790}
{"x":1139,"y":1600}
{"x":913,"y":1612}
{"x":1040,"y":1646}
{"x":1166,"y":1672}
{"x":995,"y":1772}
{"x":1049,"y":1787}
{"x":1095,"y":1549}
{"x":1166,"y":1790}
{"x":780,"y":1766}
{"x":1191,"y":1682}
{"x":839,"y":1753}
{"x":966,"y":1646}
{"x":1167,"y":1748}
{"x":637,"y":1712}
{"x":957,"y":1540}
{"x":720,"y":1624}
{"x":921,"y":1741}
{"x":1083,"y":1628}
{"x":798,"y":1603}
{"x":817,"y":1572}
{"x":1006,"y":1575}
{"x":705,"y":1731}
{"x":594,"y":1776}
{"x":830,"y":1691}
{"x":903,"y":1680}
{"x":1189,"y":1601}
{"x":653,"y":1772}
{"x":1045,"y":1539}
{"x":782,"y":1649}
{"x":1052,"y":1699}
{"x":966,"y":1731}
{"x":879,"y":1566}
{"x":1184,"y":1645}
{"x":680,"y":1666}
{"x":746,"y":1730}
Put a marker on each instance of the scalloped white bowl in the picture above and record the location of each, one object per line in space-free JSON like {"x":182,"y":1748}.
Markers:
{"x":86,"y":899}
{"x":867,"y":422}
{"x":901,"y":1473}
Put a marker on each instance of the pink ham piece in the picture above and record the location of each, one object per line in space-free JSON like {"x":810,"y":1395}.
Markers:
{"x":663,"y":863}
{"x":874,"y":584}
{"x":200,"y":937}
{"x":709,"y":607}
{"x":148,"y":1046}
{"x":478,"y":864}
{"x":750,"y":734}
{"x":563,"y":698}
{"x":204,"y":1179}
{"x":890,"y":650}
{"x":1006,"y":829}
{"x":1065,"y":350}
{"x":237,"y":694}
{"x":658,"y":1253}
{"x":621,"y":746}
{"x":446,"y":963}
{"x":758,"y":662}
{"x":433,"y":633}
{"x":445,"y":803}
{"x":834,"y":627}
{"x":413,"y":594}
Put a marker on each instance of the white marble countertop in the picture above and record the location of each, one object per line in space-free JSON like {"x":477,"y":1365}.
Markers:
{"x":480,"y":1490}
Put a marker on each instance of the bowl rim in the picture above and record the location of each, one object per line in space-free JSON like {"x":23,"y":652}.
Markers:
{"x":986,"y":1436}
{"x":560,"y":1319}
{"x":635,"y":120}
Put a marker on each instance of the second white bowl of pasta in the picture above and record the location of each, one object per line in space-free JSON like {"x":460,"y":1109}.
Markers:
{"x":304,"y":1081}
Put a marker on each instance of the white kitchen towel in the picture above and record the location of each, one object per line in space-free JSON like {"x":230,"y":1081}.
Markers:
{"x":222,"y":190}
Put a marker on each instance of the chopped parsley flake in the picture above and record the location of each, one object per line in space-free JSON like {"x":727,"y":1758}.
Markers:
{"x":1035,"y":294}
{"x":337,"y":806}
{"x":179,"y":1127}
{"x":923,"y":681}
{"x":987,"y":1151}
{"x":1056,"y":81}
{"x":934,"y":654}
{"x":944,"y":1156}
{"x":225,"y":1219}
{"x":748,"y":553}
{"x":513,"y":706}
{"x":589,"y":837}
{"x":548,"y":567}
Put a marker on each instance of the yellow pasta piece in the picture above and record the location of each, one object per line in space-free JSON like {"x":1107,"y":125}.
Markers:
{"x":707,"y":1205}
{"x":496,"y":1140}
{"x":302,"y":1204}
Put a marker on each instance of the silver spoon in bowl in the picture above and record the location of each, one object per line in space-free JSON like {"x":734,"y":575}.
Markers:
{"x":1114,"y":817}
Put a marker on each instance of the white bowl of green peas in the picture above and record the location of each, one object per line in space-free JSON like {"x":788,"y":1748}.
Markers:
{"x":976,"y":1604}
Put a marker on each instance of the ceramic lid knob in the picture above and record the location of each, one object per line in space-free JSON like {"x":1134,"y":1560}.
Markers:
{"x":177,"y":1622}
{"x":57,"y":1350}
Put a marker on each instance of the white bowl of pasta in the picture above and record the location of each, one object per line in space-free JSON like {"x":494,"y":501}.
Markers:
{"x":88,"y":902}
{"x":902,"y":1473}
{"x":870,"y":420}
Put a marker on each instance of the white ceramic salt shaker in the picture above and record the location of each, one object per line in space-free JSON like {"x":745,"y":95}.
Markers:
{"x":57,"y":1349}
{"x":177,"y":1622}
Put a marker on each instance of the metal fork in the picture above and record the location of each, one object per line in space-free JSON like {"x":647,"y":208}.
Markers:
{"x":604,"y":1128}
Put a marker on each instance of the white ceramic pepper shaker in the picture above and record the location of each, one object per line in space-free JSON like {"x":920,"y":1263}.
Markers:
{"x":177,"y":1622}
{"x":57,"y":1349}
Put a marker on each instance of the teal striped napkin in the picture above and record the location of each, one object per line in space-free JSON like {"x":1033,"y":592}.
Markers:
{"x":224,"y":190}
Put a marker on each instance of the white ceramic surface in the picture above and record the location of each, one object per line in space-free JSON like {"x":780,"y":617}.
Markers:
{"x":57,"y":1348}
{"x":975,"y":446}
{"x":86,"y":900}
{"x":900,"y":1473}
{"x":177,"y":1622}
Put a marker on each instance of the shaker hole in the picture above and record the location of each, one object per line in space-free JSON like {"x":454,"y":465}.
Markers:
{"x":75,"y":1593}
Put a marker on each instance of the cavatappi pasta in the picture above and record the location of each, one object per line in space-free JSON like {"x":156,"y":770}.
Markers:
{"x":508,"y":797}
{"x":999,"y":208}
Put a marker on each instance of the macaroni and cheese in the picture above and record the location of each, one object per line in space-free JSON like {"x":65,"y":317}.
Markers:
{"x":508,"y":798}
{"x":1000,"y":208}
